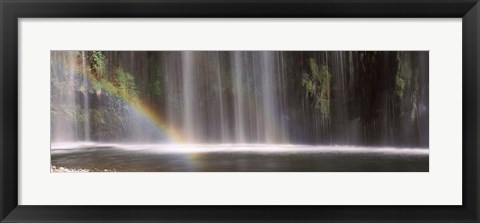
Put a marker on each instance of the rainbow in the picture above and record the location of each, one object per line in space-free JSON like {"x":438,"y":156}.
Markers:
{"x":141,"y":107}
{"x":150,"y":113}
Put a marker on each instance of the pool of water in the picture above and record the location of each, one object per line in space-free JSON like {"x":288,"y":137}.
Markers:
{"x":92,"y":157}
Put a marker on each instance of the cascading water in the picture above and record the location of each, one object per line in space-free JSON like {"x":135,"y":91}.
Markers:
{"x":64,"y":125}
{"x":265,"y":99}
{"x":86,"y":107}
{"x":239,"y":105}
{"x":190,"y":111}
{"x":214,"y":57}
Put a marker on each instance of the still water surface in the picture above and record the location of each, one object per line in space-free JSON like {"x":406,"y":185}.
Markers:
{"x":235,"y":158}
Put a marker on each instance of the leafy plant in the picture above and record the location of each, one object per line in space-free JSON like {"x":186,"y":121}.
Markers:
{"x":99,"y":63}
{"x":97,"y":85}
{"x":126,"y":83}
{"x":317,"y":86}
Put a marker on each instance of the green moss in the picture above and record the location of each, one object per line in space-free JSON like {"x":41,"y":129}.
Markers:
{"x":126,"y":83}
{"x":317,"y":86}
{"x":97,"y":86}
{"x":98,"y":63}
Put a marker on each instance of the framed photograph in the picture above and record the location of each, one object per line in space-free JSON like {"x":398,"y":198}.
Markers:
{"x":239,"y":111}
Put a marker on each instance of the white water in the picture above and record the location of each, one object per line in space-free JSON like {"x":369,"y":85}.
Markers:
{"x":66,"y":128}
{"x":189,"y":99}
{"x":243,"y":148}
{"x":239,"y":94}
{"x":86,"y":126}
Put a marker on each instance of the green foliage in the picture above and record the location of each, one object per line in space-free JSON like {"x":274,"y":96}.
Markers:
{"x":308,"y":84}
{"x":317,"y":86}
{"x":99,"y":63}
{"x":97,"y":86}
{"x":406,"y":86}
{"x":126,"y":83}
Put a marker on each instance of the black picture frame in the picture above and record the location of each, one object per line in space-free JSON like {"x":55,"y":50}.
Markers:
{"x":11,"y":11}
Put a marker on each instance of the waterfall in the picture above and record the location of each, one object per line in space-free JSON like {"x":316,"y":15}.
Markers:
{"x":173,"y":103}
{"x":244,"y":97}
{"x":238,"y":85}
{"x":189,"y":97}
{"x":223,"y":126}
{"x":63,"y":90}
{"x":268,"y":96}
{"x":86,"y":107}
